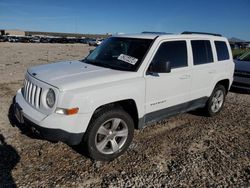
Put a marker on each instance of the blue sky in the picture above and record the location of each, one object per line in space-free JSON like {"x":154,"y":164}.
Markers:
{"x":228,"y":17}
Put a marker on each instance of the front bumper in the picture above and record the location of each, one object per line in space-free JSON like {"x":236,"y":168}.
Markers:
{"x":53,"y":127}
{"x":55,"y":135}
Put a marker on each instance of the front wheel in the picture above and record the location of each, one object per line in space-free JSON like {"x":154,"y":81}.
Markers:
{"x":216,"y":101}
{"x":109,"y":134}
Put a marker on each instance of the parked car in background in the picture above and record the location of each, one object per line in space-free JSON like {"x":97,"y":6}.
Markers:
{"x":24,"y":39}
{"x":35,"y":39}
{"x":82,"y":40}
{"x":86,"y":40}
{"x":95,"y":42}
{"x":13,"y":39}
{"x":98,"y":42}
{"x":92,"y":42}
{"x":242,"y":72}
{"x":3,"y":39}
{"x":45,"y":39}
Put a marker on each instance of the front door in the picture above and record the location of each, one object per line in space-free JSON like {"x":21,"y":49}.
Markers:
{"x":168,"y":90}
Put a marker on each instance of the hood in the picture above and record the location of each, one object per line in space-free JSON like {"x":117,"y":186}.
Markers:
{"x":70,"y":75}
{"x":243,"y":66}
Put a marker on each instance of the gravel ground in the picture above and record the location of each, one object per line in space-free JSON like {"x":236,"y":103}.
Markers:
{"x":188,"y":150}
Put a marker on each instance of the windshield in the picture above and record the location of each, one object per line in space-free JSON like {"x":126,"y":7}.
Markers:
{"x":120,"y":53}
{"x":245,"y":56}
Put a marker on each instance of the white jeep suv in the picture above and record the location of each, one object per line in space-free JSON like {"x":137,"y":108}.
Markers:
{"x":127,"y":82}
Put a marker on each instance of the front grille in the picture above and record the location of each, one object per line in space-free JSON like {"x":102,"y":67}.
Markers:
{"x":32,"y":93}
{"x":242,"y":74}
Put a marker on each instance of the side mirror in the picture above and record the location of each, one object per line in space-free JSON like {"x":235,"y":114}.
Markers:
{"x":160,"y":67}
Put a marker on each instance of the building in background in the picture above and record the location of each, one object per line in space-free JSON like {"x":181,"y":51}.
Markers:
{"x":12,"y":32}
{"x":236,"y":43}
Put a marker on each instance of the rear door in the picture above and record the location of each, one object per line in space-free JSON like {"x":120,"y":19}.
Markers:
{"x":203,"y":68}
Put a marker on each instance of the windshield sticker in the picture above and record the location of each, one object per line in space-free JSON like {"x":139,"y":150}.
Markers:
{"x":127,"y":59}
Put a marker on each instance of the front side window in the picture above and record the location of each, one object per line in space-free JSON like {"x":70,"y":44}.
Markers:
{"x":120,"y":53}
{"x":202,"y":52}
{"x":174,"y":52}
{"x":222,"y":50}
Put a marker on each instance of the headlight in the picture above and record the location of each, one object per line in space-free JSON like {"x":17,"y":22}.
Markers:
{"x":50,"y":98}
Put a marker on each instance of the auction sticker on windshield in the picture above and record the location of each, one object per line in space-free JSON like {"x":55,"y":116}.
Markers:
{"x":127,"y":59}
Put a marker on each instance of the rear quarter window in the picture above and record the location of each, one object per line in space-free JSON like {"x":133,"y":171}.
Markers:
{"x":222,"y":50}
{"x":202,"y":52}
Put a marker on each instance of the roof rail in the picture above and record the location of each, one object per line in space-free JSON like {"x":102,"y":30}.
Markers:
{"x":203,"y":33}
{"x":154,"y":32}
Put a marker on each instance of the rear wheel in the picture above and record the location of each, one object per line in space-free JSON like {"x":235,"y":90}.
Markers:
{"x":216,"y":101}
{"x":109,"y":134}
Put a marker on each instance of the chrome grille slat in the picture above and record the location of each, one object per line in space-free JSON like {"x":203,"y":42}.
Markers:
{"x":32,"y":93}
{"x":28,"y":88}
{"x":40,"y":94}
{"x":37,"y":97}
{"x":24,"y":88}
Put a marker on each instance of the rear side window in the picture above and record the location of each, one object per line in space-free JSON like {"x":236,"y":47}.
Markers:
{"x":222,"y":50}
{"x":202,"y":51}
{"x":174,"y":51}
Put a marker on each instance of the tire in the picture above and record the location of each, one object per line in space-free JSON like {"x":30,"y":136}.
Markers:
{"x":216,"y":101}
{"x":109,"y":134}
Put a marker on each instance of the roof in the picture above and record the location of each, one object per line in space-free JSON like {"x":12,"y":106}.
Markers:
{"x":141,"y":36}
{"x":168,"y":36}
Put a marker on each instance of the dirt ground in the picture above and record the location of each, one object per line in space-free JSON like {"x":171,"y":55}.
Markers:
{"x":188,"y":150}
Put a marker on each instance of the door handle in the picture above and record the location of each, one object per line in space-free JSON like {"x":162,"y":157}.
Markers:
{"x":184,"y":77}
